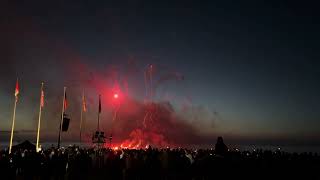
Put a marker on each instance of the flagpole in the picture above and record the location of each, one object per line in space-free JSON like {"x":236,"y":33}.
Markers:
{"x":99,"y":113}
{"x":39,"y":121}
{"x":16,"y":92}
{"x":81,"y":115}
{"x":12,"y":127}
{"x":61,"y":121}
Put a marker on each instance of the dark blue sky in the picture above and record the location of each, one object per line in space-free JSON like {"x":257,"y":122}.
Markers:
{"x":254,"y":62}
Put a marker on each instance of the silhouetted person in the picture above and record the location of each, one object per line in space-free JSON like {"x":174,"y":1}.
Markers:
{"x":221,"y":148}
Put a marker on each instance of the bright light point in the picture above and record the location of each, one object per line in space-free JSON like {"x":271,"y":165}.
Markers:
{"x":115,"y":96}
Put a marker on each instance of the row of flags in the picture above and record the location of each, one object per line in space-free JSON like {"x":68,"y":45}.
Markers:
{"x":65,"y":102}
{"x":64,"y":120}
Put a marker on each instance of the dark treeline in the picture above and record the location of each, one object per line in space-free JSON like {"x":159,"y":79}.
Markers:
{"x":161,"y":164}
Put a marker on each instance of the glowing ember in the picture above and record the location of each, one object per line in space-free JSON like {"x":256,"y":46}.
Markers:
{"x":115,"y":96}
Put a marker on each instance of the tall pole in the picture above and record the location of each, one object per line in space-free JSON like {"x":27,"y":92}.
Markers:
{"x":39,"y":120}
{"x":81,"y":116}
{"x":98,"y":128}
{"x":60,"y":128}
{"x":12,"y":127}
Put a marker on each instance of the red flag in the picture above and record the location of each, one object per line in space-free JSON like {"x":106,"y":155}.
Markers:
{"x":42,"y":98}
{"x":84,"y":105}
{"x":16,"y":92}
{"x":99,"y":103}
{"x":65,"y":102}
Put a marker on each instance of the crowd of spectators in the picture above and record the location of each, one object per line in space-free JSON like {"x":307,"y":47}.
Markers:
{"x":152,"y":163}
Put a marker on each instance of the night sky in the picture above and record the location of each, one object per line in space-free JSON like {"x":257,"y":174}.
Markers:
{"x":250,"y":68}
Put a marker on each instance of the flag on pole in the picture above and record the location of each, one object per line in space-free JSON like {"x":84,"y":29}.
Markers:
{"x":99,"y":103}
{"x":16,"y":92}
{"x":42,"y":98}
{"x":84,"y":105}
{"x":65,"y":102}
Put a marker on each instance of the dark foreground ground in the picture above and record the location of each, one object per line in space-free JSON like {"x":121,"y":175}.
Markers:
{"x":75,"y":163}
